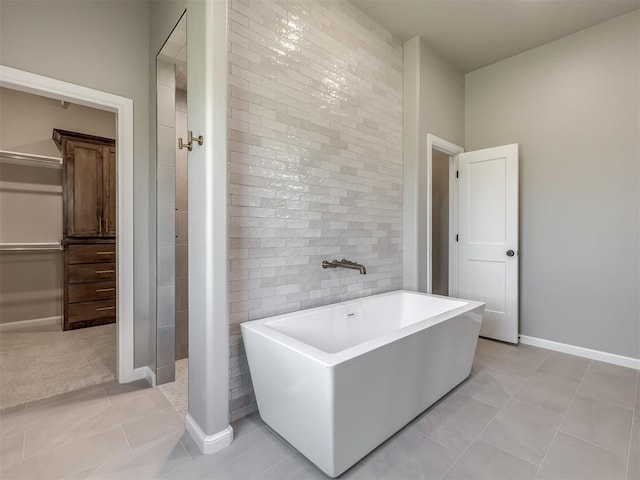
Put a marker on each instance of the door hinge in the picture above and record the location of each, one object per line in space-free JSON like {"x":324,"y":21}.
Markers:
{"x":456,"y":237}
{"x":457,"y":173}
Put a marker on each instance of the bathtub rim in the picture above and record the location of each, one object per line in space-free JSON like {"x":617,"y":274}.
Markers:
{"x":262,"y":328}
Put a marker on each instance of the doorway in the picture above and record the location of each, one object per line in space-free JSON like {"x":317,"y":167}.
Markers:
{"x":15,"y":79}
{"x":441,"y":216}
{"x":442,"y":209}
{"x":172,"y":339}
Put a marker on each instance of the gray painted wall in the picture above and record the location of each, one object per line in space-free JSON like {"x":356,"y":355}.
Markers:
{"x":105,"y":46}
{"x":433,"y":102}
{"x":573,"y":105}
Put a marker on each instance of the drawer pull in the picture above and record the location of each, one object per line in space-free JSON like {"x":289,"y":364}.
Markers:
{"x":104,"y":290}
{"x":98,"y":272}
{"x":105,"y":308}
{"x":105,"y":253}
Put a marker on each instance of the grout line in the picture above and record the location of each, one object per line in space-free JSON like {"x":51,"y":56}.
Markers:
{"x":564,"y":416}
{"x":126,"y":438}
{"x":633,"y":419}
{"x":488,"y":423}
{"x":527,"y":378}
{"x":594,"y":444}
{"x":24,"y":445}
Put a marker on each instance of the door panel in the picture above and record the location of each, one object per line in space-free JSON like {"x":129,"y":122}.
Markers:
{"x":487,"y":230}
{"x":85,"y":189}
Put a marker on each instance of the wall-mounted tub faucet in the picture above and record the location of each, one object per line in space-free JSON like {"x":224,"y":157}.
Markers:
{"x":344,"y":264}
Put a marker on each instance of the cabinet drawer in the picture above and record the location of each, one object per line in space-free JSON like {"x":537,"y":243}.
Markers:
{"x":92,"y":272}
{"x":91,"y":310}
{"x":86,"y":292}
{"x":96,"y":253}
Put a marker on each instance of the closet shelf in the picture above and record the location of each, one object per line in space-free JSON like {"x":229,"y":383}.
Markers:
{"x":30,"y":247}
{"x":28,"y":159}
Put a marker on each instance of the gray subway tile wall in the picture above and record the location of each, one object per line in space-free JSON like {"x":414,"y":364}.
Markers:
{"x":181,"y":232}
{"x":315,"y":162}
{"x":166,"y":171}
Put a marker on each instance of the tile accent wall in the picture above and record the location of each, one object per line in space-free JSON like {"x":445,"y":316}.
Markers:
{"x":315,"y":162}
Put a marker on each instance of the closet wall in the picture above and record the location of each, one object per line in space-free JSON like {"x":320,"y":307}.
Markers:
{"x":31,"y":200}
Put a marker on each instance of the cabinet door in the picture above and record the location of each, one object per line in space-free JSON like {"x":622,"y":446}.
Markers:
{"x":83,"y":177}
{"x":110,"y":180}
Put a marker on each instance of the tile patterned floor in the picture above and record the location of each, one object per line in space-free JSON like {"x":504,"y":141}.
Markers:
{"x":524,"y":413}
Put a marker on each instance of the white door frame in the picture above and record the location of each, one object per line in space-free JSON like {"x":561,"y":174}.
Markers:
{"x":123,"y":108}
{"x":451,"y":149}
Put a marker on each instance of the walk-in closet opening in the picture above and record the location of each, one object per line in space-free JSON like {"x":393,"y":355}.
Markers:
{"x":57,"y":247}
{"x":173,"y":145}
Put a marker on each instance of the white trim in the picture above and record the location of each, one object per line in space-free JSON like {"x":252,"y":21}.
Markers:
{"x":145,"y":373}
{"x":208,"y":443}
{"x":123,"y":108}
{"x":607,"y":357}
{"x":35,"y":322}
{"x":451,"y":149}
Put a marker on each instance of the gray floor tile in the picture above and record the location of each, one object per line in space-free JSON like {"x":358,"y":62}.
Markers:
{"x":28,"y":469}
{"x":548,"y":391}
{"x":456,"y":421}
{"x":150,"y":461}
{"x":53,"y":410}
{"x":610,"y":383}
{"x":521,"y":360}
{"x":82,"y":454}
{"x":633,"y":472}
{"x":480,"y":362}
{"x":294,"y":467}
{"x":247,"y":425}
{"x":247,"y":457}
{"x":572,"y":458}
{"x":491,"y":387}
{"x":11,"y":449}
{"x":153,"y":426}
{"x":600,"y":423}
{"x":67,"y":430}
{"x":523,"y":429}
{"x":564,"y":365}
{"x":409,"y":455}
{"x":119,"y":392}
{"x":484,"y":461}
{"x":492,"y":348}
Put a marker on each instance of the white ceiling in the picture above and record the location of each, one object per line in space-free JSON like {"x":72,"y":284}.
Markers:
{"x":474,"y":33}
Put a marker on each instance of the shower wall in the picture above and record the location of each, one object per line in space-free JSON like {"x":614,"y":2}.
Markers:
{"x":315,"y":162}
{"x":182,"y":213}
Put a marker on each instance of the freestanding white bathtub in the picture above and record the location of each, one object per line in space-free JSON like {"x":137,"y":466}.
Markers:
{"x":337,"y":381}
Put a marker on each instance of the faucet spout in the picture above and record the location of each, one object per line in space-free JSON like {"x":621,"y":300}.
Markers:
{"x":344,"y":263}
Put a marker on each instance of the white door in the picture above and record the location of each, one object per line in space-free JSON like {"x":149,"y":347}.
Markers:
{"x":488,"y":237}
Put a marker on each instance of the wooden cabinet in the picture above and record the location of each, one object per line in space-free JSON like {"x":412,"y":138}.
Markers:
{"x":90,"y":283}
{"x":89,"y":181}
{"x":89,"y":184}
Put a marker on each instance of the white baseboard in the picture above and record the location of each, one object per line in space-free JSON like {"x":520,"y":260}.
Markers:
{"x":145,"y":373}
{"x":36,"y":322}
{"x":613,"y":358}
{"x":208,"y":443}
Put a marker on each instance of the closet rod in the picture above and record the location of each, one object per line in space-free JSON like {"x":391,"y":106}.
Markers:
{"x":17,"y":158}
{"x":30,"y":247}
